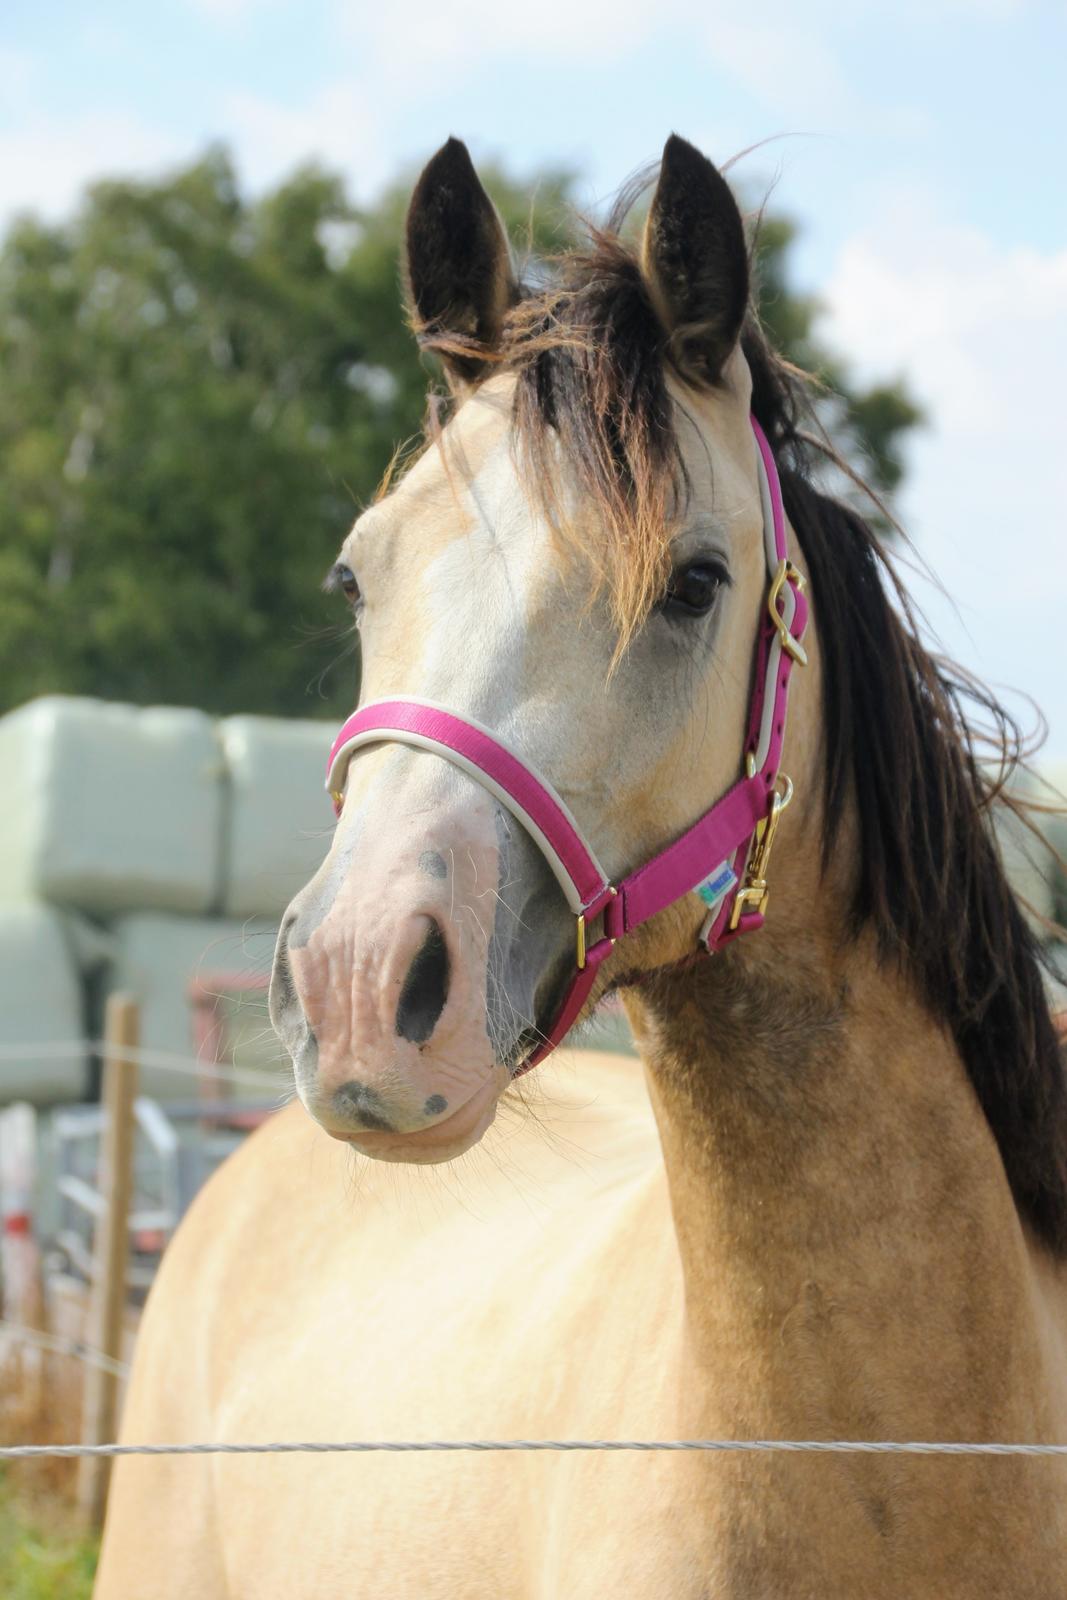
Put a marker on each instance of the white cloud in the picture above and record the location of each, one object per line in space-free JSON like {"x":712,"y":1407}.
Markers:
{"x":981,"y":332}
{"x":387,"y":57}
{"x":791,"y":65}
{"x":788,"y":66}
{"x":465,"y":32}
{"x":45,"y":163}
{"x":339,"y":125}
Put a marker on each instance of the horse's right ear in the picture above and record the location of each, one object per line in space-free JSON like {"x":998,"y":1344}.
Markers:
{"x":459,"y":276}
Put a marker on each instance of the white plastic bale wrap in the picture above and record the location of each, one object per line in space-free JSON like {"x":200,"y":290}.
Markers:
{"x":1056,"y":833}
{"x":41,"y":1007}
{"x":108,"y":807}
{"x":1031,"y":859}
{"x":161,"y":959}
{"x":279,"y":820}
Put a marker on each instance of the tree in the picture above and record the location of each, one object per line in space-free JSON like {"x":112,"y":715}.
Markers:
{"x":198,"y":393}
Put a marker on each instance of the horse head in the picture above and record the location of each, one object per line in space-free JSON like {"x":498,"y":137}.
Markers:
{"x":576,"y":562}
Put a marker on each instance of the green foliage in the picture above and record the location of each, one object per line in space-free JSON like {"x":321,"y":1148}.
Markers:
{"x":198,"y":393}
{"x":39,"y":1561}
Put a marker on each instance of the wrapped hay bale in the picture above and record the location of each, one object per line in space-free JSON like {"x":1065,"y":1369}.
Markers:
{"x":1055,"y":830}
{"x":41,"y":1008}
{"x":279,"y":820}
{"x":1028,"y":860}
{"x":189,"y":975}
{"x":1036,"y":872}
{"x":109,"y":807}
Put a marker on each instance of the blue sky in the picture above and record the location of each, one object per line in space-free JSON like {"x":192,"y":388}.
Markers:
{"x":921,"y":150}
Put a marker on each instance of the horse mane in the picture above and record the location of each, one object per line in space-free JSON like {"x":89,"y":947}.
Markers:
{"x":902,"y":738}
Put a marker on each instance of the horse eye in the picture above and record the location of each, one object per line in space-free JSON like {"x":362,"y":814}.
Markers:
{"x":692,"y":590}
{"x":343,"y":578}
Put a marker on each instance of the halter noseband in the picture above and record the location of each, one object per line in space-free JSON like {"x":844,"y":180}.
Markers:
{"x":735,"y":836}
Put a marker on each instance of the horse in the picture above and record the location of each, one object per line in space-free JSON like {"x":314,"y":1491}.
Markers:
{"x":826,"y":1201}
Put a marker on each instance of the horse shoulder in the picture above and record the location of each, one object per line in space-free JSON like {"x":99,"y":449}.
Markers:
{"x":160,"y":1536}
{"x":311,"y":1295}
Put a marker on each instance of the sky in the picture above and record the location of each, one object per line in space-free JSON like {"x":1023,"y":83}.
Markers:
{"x":918,"y":144}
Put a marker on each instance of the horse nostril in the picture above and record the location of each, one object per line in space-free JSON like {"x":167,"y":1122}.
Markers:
{"x":425,"y":990}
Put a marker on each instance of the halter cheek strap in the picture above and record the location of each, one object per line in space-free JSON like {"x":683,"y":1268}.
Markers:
{"x":722,"y":857}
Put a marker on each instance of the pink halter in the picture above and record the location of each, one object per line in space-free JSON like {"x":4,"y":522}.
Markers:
{"x":723,"y":856}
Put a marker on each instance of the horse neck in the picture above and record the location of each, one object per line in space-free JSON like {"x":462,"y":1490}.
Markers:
{"x":852,"y":1257}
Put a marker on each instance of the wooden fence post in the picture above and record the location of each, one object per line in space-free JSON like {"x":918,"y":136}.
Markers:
{"x":107,"y":1292}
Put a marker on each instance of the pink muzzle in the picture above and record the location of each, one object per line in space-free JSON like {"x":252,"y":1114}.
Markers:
{"x":722,"y":857}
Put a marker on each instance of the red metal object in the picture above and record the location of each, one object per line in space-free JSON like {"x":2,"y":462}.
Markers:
{"x":207,"y":992}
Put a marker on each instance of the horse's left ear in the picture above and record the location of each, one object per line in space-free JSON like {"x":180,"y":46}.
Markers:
{"x":459,"y":273}
{"x":696,"y":261}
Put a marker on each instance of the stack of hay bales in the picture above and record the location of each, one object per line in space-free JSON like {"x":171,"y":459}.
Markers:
{"x":156,"y":850}
{"x":148,"y":850}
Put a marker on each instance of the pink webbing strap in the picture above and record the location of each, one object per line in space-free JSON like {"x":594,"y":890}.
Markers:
{"x":478,"y":752}
{"x":571,"y":1009}
{"x":774,"y":666}
{"x":489,"y":762}
{"x":659,"y":883}
{"x":768,"y":634}
{"x":686,"y":862}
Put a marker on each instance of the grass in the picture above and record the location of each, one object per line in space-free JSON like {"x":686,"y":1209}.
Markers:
{"x":42,"y":1555}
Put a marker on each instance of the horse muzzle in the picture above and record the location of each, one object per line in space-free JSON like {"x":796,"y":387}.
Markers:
{"x":380,"y":988}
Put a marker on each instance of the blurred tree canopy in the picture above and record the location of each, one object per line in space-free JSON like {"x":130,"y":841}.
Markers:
{"x":199,"y":391}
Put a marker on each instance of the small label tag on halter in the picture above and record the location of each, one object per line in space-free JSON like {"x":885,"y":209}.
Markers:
{"x":716,"y":885}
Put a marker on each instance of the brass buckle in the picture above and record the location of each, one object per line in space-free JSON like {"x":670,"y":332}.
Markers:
{"x":786,"y":573}
{"x":755,"y":893}
{"x":579,"y":950}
